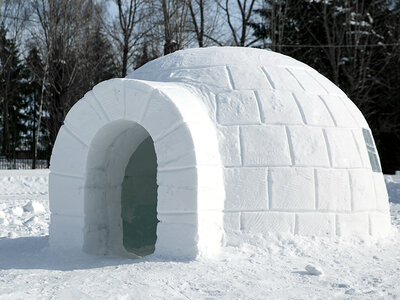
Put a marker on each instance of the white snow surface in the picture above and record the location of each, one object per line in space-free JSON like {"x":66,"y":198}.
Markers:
{"x":277,"y":267}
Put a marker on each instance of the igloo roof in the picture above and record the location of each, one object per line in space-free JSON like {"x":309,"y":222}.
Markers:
{"x":242,"y":71}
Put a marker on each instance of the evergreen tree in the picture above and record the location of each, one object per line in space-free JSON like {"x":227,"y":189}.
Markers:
{"x":12,"y":105}
{"x":353,"y":43}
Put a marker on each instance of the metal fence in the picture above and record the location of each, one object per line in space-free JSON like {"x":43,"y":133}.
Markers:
{"x":22,"y":163}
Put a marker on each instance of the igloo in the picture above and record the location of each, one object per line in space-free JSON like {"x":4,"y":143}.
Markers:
{"x":210,"y":147}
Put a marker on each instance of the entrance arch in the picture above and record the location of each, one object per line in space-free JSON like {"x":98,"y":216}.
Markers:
{"x":92,"y":151}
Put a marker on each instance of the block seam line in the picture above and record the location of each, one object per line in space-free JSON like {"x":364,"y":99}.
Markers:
{"x":337,"y":229}
{"x":316,"y":203}
{"x":351,"y":191}
{"x":346,"y":105}
{"x":369,"y":224}
{"x":241,"y":145}
{"x":269,"y":188}
{"x":107,"y":117}
{"x":290,"y":72}
{"x":328,"y":148}
{"x":268,"y":77}
{"x":317,"y":81}
{"x":363,"y":163}
{"x":146,"y":107}
{"x":260,"y":111}
{"x":328,"y":109}
{"x":101,"y":118}
{"x":174,"y":127}
{"x":296,"y":224}
{"x":303,"y":117}
{"x":75,"y":136}
{"x":377,"y":198}
{"x":230,"y":78}
{"x":290,"y":144}
{"x":61,"y":174}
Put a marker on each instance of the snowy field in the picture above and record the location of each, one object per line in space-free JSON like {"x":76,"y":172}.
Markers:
{"x":351,"y":268}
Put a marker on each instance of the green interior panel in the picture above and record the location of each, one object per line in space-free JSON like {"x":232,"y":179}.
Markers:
{"x":139,"y":200}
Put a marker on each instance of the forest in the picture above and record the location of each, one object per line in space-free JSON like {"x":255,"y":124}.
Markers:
{"x":53,"y":51}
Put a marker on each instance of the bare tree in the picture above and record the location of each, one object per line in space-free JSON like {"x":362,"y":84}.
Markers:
{"x":174,"y":13}
{"x":130,"y":13}
{"x":204,"y":22}
{"x":240,"y":11}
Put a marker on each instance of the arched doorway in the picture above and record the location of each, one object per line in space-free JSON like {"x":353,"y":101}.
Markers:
{"x":139,"y":200}
{"x":92,"y":151}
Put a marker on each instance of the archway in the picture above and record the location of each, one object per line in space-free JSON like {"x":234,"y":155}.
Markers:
{"x":91,"y":153}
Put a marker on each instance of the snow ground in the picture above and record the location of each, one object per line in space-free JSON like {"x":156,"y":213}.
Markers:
{"x":352,"y":268}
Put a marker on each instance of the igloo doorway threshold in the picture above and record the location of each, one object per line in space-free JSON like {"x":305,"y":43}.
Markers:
{"x":100,"y":204}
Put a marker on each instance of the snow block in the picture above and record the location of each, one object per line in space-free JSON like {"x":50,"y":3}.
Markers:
{"x":362,"y":190}
{"x":264,"y":146}
{"x":231,"y":221}
{"x":381,"y":194}
{"x":339,"y":111}
{"x":229,"y":145}
{"x":380,"y":224}
{"x":278,"y":107}
{"x":66,"y":232}
{"x":237,"y":107}
{"x":172,"y":226}
{"x":246,"y":188}
{"x":85,"y":128}
{"x":241,"y":78}
{"x":176,"y":148}
{"x":281,"y":79}
{"x":309,"y":148}
{"x":291,"y":189}
{"x":264,"y":222}
{"x":186,"y":102}
{"x":314,"y":109}
{"x":309,"y":84}
{"x":333,"y":190}
{"x":343,"y":148}
{"x":328,"y":85}
{"x":174,"y":200}
{"x":355,"y":112}
{"x":95,"y":205}
{"x":69,"y":154}
{"x":137,"y":96}
{"x":204,"y":176}
{"x":111,"y":98}
{"x":159,"y":115}
{"x":316,"y":224}
{"x":355,"y":224}
{"x":70,"y":203}
{"x":211,"y":77}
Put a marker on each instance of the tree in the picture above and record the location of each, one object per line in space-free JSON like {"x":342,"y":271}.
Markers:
{"x":11,"y":81}
{"x":356,"y":45}
{"x":245,"y":9}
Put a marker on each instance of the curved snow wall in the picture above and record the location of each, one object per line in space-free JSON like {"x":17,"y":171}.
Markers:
{"x":92,"y":151}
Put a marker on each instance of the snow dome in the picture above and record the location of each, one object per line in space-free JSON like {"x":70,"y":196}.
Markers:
{"x":209,"y":147}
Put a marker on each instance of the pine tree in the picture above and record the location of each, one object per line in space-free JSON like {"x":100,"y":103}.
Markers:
{"x":13,"y":107}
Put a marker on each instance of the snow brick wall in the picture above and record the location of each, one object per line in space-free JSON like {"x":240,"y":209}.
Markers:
{"x":248,"y":142}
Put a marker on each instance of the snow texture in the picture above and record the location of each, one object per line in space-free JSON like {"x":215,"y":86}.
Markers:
{"x":248,"y":141}
{"x":279,"y":266}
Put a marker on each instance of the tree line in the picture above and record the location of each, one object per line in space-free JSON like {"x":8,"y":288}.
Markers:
{"x":53,"y":51}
